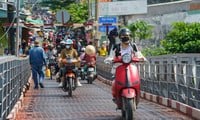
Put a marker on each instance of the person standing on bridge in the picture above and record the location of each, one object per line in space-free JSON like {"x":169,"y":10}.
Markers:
{"x":37,"y":60}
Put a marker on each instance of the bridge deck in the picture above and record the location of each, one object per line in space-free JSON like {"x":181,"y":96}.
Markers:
{"x":89,"y":102}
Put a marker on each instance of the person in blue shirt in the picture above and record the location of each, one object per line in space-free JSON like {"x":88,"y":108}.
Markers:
{"x":37,"y":60}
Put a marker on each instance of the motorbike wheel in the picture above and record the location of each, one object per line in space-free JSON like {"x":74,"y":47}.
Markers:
{"x":128,"y":109}
{"x":65,"y":86}
{"x":52,"y":71}
{"x":82,"y":76}
{"x":90,"y":79}
{"x":70,"y":86}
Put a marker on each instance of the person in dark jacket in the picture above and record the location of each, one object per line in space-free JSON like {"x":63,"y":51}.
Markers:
{"x":112,"y":39}
{"x":37,"y":61}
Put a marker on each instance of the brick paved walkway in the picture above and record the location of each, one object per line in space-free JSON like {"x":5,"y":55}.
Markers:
{"x":89,"y":102}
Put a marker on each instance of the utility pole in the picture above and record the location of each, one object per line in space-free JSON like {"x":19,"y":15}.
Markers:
{"x":18,"y":42}
{"x":96,"y":10}
{"x":96,"y":21}
{"x":89,"y":9}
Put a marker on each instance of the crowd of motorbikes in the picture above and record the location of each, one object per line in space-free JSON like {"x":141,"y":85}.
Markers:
{"x":125,"y":87}
{"x":86,"y":71}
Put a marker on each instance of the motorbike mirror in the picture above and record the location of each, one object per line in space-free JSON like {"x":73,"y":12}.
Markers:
{"x":107,"y":62}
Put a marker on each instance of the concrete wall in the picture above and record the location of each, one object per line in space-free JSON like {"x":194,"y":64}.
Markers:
{"x":162,"y":10}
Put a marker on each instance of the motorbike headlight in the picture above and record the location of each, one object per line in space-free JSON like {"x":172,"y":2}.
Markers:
{"x":126,"y":58}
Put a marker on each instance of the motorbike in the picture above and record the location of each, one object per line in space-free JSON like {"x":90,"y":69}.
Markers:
{"x":69,"y":83}
{"x":126,"y":86}
{"x":90,"y":72}
{"x":82,"y":72}
{"x":52,"y":66}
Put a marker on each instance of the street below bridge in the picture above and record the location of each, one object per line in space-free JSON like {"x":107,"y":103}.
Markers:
{"x":89,"y":102}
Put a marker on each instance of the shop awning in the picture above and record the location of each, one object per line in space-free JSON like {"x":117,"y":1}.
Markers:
{"x":35,"y":22}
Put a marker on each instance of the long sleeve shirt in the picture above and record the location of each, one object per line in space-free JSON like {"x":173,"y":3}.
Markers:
{"x":37,"y":56}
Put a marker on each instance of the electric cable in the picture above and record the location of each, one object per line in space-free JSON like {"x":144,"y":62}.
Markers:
{"x":8,"y":28}
{"x":34,"y":4}
{"x":12,"y":23}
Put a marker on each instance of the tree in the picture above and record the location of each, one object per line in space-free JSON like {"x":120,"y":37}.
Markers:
{"x":140,"y":30}
{"x":183,"y":38}
{"x":56,"y":5}
{"x":78,"y":12}
{"x":3,"y":38}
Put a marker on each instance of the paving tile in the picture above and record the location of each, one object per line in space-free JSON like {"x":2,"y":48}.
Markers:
{"x":89,"y":102}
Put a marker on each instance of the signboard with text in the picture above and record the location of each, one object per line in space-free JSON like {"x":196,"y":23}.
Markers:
{"x":106,"y":23}
{"x":102,"y":28}
{"x":123,"y":7}
{"x":107,"y":20}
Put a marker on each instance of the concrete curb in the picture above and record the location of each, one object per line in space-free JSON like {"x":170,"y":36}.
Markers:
{"x":18,"y":105}
{"x":183,"y":108}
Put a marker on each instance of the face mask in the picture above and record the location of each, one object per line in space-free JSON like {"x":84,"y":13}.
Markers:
{"x":67,"y":46}
{"x":125,"y":39}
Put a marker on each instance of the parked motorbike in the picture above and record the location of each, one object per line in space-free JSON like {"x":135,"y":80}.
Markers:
{"x":126,"y":86}
{"x":69,"y":83}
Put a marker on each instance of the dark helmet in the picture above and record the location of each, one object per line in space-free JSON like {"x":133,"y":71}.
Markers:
{"x":125,"y":34}
{"x":62,"y":44}
{"x":50,"y":46}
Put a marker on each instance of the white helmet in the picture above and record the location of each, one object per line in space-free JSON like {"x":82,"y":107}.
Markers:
{"x":69,"y":42}
{"x":63,"y":42}
{"x":90,"y":50}
{"x":83,"y":49}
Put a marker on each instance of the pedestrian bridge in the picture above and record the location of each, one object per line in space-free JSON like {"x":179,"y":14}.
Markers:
{"x":171,"y":80}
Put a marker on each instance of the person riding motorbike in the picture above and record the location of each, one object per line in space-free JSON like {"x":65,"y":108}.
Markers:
{"x":69,"y":50}
{"x":126,"y":46}
{"x":62,"y":45}
{"x":126,"y":95}
{"x":51,"y":59}
{"x":89,"y":56}
{"x":51,"y":53}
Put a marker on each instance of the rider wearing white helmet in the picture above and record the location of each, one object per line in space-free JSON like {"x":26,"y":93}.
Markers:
{"x":68,"y":51}
{"x":69,"y":44}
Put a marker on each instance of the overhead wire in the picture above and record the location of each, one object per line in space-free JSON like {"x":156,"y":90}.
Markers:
{"x":11,"y":24}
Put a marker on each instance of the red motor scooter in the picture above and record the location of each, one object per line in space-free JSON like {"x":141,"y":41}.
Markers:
{"x":126,"y":86}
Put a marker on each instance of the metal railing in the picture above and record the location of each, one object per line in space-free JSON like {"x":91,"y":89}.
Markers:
{"x":14,"y":75}
{"x":172,"y":76}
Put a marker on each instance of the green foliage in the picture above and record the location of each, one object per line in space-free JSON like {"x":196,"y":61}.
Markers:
{"x":78,"y":12}
{"x":3,"y":40}
{"x":183,"y":38}
{"x":141,"y":30}
{"x":56,"y":5}
{"x":133,"y":29}
{"x":154,"y":51}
